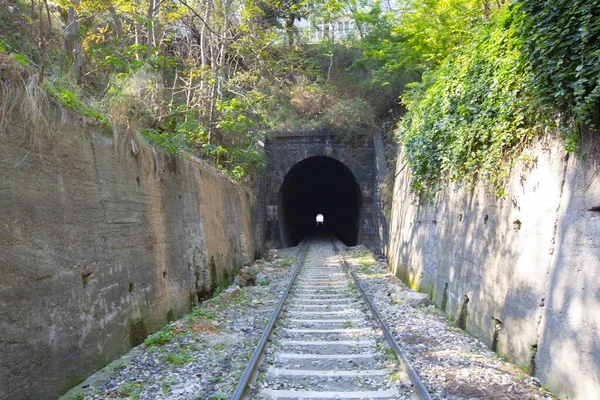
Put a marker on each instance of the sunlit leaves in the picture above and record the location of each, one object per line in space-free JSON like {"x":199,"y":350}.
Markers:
{"x":418,"y":37}
{"x":563,"y":47}
{"x":469,"y":118}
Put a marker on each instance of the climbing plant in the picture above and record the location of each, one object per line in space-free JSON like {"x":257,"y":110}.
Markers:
{"x":534,"y":63}
{"x":562,"y":45}
{"x":466,"y":119}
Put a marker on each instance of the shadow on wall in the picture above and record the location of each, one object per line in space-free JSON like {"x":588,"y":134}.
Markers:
{"x":520,"y":273}
{"x":569,"y":348}
{"x":461,"y":260}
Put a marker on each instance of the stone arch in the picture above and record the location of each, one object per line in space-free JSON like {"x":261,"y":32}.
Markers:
{"x":319,"y":185}
{"x":337,"y":154}
{"x":286,"y":149}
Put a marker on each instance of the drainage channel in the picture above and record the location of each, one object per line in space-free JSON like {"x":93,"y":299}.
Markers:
{"x":325,"y":340}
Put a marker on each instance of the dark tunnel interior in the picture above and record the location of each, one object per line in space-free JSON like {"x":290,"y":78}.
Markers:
{"x":319,"y":185}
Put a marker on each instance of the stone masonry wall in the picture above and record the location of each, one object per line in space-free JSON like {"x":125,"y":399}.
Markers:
{"x":99,"y":247}
{"x":528,"y":264}
{"x":285,"y":149}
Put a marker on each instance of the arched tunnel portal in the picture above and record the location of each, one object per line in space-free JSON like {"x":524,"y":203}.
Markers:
{"x":319,"y":185}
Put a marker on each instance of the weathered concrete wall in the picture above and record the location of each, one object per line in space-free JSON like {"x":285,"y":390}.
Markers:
{"x":99,"y":247}
{"x":287,"y":148}
{"x":529,"y":263}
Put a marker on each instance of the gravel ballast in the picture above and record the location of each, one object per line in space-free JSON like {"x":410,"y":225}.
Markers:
{"x":452,"y":364}
{"x":202,"y":355}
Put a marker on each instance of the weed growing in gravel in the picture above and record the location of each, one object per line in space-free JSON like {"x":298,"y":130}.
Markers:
{"x":285,"y":263}
{"x":278,"y":331}
{"x":215,"y":351}
{"x":130,"y":389}
{"x":200,"y":312}
{"x":363,"y":258}
{"x":161,"y":337}
{"x":119,"y":365}
{"x":394,"y":376}
{"x":283,"y":323}
{"x":181,"y":357}
{"x":76,"y":396}
{"x":263,"y":282}
{"x":166,"y":386}
{"x":391,"y":357}
{"x":241,"y":298}
{"x":262,"y":377}
{"x":347,"y":324}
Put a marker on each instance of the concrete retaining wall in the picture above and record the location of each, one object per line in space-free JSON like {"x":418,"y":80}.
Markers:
{"x":99,"y":247}
{"x":529,"y":263}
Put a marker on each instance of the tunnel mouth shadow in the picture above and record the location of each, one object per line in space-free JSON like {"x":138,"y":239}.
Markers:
{"x":319,"y":185}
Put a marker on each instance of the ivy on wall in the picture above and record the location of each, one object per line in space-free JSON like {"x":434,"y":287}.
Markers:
{"x":562,"y":45}
{"x":467,"y":120}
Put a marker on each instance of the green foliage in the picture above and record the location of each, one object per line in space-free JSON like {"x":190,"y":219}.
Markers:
{"x":349,"y":118}
{"x":310,"y":99}
{"x":170,"y":142}
{"x":418,"y":38}
{"x":562,"y":42}
{"x":180,"y":357}
{"x":68,"y":98}
{"x":263,"y":282}
{"x":218,"y":291}
{"x":201,"y":313}
{"x":21,"y":59}
{"x":163,"y":336}
{"x":467,"y":119}
{"x":208,"y":87}
{"x":77,"y":396}
{"x":285,"y":263}
{"x":130,"y":389}
{"x":217,"y":396}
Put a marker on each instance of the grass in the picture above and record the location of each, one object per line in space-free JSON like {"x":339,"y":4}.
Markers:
{"x":363,"y":257}
{"x":283,"y":323}
{"x":119,"y":365}
{"x":263,"y":282}
{"x":131,"y":389}
{"x":347,"y":324}
{"x":285,"y":263}
{"x":166,"y":386}
{"x":389,"y":354}
{"x":218,"y":291}
{"x":163,"y":336}
{"x":181,"y":357}
{"x":198,"y":312}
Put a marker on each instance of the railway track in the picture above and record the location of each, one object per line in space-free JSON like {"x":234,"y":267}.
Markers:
{"x":326,"y":341}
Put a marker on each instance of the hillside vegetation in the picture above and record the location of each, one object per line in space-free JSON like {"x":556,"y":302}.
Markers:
{"x":469,"y":82}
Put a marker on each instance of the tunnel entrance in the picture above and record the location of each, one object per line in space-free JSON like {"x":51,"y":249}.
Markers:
{"x":319,"y":185}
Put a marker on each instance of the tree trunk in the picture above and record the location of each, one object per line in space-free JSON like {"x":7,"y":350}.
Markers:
{"x":289,"y":29}
{"x":73,"y":43}
{"x":138,"y":28}
{"x":42,"y":45}
{"x":118,"y":26}
{"x":150,"y":14}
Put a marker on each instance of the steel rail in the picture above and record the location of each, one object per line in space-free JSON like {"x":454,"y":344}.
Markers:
{"x":242,"y":385}
{"x":404,"y":363}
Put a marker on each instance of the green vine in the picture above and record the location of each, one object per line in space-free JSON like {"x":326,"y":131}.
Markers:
{"x":562,"y":42}
{"x":469,"y":119}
